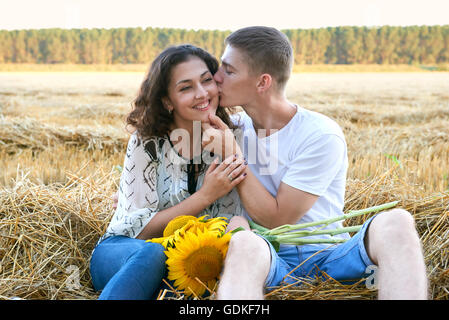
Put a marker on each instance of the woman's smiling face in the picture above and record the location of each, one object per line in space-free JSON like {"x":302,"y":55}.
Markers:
{"x":192,"y":93}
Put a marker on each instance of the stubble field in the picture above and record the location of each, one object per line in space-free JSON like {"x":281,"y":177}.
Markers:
{"x":62,"y":135}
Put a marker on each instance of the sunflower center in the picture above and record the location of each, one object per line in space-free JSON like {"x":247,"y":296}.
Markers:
{"x":204,"y":263}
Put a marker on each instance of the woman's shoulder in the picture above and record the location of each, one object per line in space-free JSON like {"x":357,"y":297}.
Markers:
{"x":152,"y":146}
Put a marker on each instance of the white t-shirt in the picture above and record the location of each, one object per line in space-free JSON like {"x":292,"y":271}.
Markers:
{"x":309,"y":154}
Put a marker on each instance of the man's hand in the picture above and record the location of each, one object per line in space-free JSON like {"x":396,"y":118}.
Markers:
{"x":218,"y":138}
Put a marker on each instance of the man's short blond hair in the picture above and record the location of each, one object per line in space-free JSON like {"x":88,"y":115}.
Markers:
{"x":266,"y":49}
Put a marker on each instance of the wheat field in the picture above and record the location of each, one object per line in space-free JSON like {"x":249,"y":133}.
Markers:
{"x":62,"y":135}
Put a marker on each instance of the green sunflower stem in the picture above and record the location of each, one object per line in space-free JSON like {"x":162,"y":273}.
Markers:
{"x":307,"y":233}
{"x":295,"y":234}
{"x":256,"y":227}
{"x":351,"y":214}
{"x":301,"y":241}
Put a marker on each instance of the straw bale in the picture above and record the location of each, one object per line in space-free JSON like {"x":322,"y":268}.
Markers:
{"x":92,"y":111}
{"x":48,"y":232}
{"x":47,"y":235}
{"x":21,"y":133}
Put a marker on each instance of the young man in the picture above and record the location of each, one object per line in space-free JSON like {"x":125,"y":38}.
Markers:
{"x":306,"y":183}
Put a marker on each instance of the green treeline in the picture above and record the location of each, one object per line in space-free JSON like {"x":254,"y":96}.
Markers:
{"x":336,"y":45}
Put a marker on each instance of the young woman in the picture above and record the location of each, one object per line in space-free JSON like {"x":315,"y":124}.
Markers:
{"x":165,"y":173}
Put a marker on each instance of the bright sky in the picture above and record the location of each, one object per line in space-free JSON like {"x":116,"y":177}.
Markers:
{"x":221,"y":15}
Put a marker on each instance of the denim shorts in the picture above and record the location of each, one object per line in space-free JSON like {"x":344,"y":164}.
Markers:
{"x":346,"y":262}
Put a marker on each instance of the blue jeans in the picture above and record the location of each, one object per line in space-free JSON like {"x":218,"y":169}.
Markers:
{"x":127,"y":268}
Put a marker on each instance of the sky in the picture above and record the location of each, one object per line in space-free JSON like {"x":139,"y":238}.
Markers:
{"x":219,"y":15}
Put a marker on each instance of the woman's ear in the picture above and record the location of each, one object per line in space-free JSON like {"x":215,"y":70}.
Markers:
{"x":167,"y":104}
{"x":264,"y":83}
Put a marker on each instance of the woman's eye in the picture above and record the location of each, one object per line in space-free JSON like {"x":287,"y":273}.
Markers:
{"x":185,"y":88}
{"x":207,"y":79}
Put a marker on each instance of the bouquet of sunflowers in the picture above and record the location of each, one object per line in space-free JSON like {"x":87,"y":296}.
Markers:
{"x":195,"y":250}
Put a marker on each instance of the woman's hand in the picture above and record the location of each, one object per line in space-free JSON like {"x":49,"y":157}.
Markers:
{"x":218,"y":138}
{"x":220,"y":178}
{"x":114,"y":199}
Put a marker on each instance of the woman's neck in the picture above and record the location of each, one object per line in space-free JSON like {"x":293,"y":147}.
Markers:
{"x":187,"y":140}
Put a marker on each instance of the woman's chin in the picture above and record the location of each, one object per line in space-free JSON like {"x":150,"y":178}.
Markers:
{"x":205,"y":117}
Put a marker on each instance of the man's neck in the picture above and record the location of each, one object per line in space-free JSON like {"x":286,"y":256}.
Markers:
{"x":274,"y":113}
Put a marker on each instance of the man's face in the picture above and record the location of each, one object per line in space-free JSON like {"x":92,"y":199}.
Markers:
{"x":235,"y":83}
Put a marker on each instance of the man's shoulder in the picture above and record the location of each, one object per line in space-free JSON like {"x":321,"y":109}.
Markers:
{"x":317,"y":122}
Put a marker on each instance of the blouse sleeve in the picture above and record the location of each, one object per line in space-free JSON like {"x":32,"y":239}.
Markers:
{"x":138,"y":198}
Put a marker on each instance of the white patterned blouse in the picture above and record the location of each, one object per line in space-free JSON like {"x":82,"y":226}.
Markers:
{"x":155,"y":177}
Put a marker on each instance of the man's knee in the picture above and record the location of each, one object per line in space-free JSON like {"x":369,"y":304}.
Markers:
{"x":246,"y":244}
{"x":388,"y":229}
{"x":236,"y":222}
{"x":393,"y":222}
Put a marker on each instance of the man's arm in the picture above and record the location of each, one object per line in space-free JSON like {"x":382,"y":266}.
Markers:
{"x":289,"y":205}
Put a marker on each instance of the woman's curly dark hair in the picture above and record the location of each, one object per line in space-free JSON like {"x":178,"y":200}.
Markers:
{"x":149,"y":116}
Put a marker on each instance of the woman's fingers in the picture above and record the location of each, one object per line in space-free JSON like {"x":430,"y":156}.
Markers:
{"x":231,"y":169}
{"x":236,"y":169}
{"x":226,"y":162}
{"x":235,"y":164}
{"x":239,"y":179}
{"x":114,"y":198}
{"x":212,"y":166}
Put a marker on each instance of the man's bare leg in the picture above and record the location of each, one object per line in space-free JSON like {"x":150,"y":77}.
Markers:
{"x":246,"y":265}
{"x":394,"y":246}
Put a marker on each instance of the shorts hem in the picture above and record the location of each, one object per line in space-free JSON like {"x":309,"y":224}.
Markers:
{"x":362,"y":249}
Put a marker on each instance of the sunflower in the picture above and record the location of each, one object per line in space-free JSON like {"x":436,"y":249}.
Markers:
{"x":173,"y":229}
{"x":178,"y":226}
{"x":218,"y":224}
{"x":177,"y":223}
{"x":197,"y":255}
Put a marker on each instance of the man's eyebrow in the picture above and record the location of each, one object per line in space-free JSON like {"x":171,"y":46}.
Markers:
{"x":189,"y":80}
{"x":227,"y":64}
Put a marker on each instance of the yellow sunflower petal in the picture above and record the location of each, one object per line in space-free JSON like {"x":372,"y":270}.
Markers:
{"x":177,"y":223}
{"x":198,"y":254}
{"x":157,"y":240}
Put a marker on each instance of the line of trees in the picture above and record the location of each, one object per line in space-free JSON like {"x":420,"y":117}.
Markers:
{"x":333,"y":45}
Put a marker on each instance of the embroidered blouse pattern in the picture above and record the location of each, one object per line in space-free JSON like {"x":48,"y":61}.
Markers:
{"x":155,"y":178}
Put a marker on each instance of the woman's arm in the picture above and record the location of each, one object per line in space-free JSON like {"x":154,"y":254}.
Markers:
{"x":193,"y":205}
{"x":216,"y":184}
